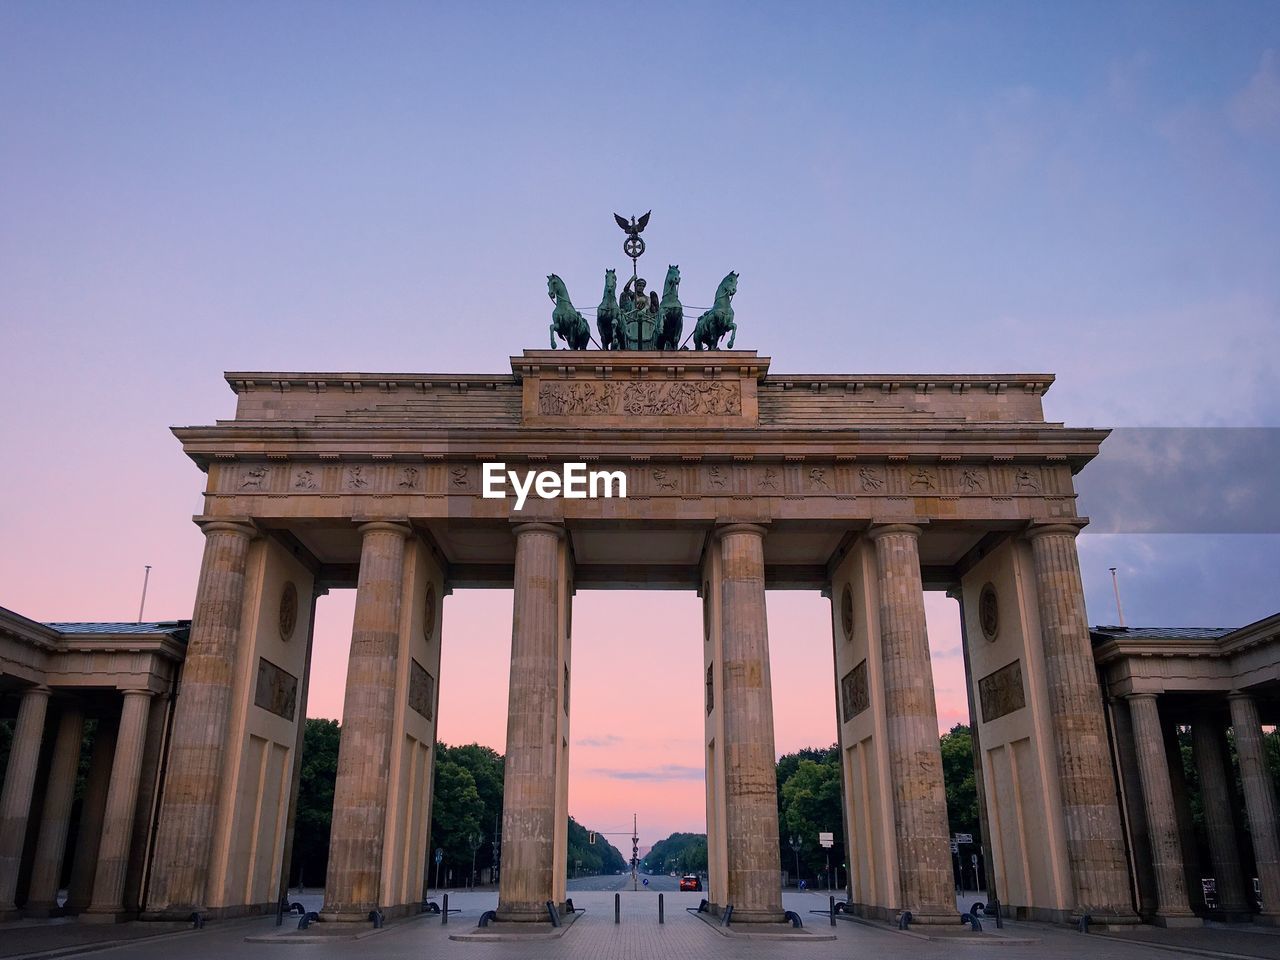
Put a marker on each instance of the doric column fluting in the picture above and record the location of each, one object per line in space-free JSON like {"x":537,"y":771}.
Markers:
{"x":525,"y":882}
{"x":107,"y":900}
{"x":1259,"y":802}
{"x":84,"y":864}
{"x":911,"y":727}
{"x":198,"y":743}
{"x":51,"y":844}
{"x":368,"y":715}
{"x":1090,"y":807}
{"x":15,"y":797}
{"x":1209,"y":748}
{"x":1162,"y":818}
{"x":751,"y":788}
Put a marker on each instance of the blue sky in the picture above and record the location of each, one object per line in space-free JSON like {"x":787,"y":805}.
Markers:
{"x":1086,"y":189}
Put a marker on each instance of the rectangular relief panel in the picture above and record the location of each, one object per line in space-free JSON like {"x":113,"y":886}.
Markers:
{"x":1001,"y":693}
{"x":422,"y":690}
{"x":855,"y":695}
{"x":276,"y":690}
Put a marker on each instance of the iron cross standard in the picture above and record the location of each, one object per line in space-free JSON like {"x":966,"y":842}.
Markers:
{"x":633,"y":246}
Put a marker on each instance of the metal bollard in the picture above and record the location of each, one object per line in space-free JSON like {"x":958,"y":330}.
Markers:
{"x":444,"y":909}
{"x":552,"y":914}
{"x":617,"y":908}
{"x":1082,"y":924}
{"x":487,"y":916}
{"x":832,"y":910}
{"x":197,"y":921}
{"x":660,"y":918}
{"x":793,"y":918}
{"x":727,"y":916}
{"x":376,"y":916}
{"x":904,"y":920}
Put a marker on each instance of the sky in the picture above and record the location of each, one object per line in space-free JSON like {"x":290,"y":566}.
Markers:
{"x":1086,"y":189}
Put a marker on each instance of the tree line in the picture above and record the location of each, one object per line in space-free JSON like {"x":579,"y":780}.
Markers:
{"x":466,"y":810}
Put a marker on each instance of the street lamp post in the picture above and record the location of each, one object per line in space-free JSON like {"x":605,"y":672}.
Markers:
{"x":497,"y":834}
{"x":476,"y":840}
{"x":795,"y":849}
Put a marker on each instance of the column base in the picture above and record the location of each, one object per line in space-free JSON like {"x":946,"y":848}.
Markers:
{"x":108,"y":915}
{"x":525,"y":912}
{"x":171,"y":913}
{"x":1097,"y":918}
{"x":1267,"y":919}
{"x":1177,"y":920}
{"x":935,"y":918}
{"x":345,"y":916}
{"x":12,"y":913}
{"x":43,"y":910}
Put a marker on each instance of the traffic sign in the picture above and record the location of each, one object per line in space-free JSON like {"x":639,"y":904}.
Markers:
{"x":955,"y":846}
{"x":973,"y":858}
{"x":439,"y":854}
{"x":826,"y":839}
{"x":963,"y":838}
{"x":645,"y":881}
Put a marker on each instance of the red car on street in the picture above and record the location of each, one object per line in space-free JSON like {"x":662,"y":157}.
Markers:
{"x":691,"y":881}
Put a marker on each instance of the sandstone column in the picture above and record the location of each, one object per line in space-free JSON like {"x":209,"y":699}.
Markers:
{"x":368,"y":714}
{"x":1172,"y":907}
{"x":751,"y":786}
{"x":1216,"y":798}
{"x":529,"y":779}
{"x":911,"y":726}
{"x":201,"y":716}
{"x":15,"y":798}
{"x":1095,"y":844}
{"x":107,"y":901}
{"x":1259,"y":802}
{"x":84,"y":864}
{"x":51,"y":846}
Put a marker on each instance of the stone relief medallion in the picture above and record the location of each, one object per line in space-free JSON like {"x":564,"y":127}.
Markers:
{"x":989,"y":612}
{"x":429,"y":613}
{"x":846,"y":612}
{"x":288,"y":610}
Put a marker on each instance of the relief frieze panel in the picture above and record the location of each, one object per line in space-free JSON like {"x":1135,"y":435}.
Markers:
{"x":640,"y":398}
{"x":792,"y":478}
{"x":1001,"y":692}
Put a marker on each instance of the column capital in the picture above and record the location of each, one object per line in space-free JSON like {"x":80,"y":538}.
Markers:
{"x":238,"y":525}
{"x":1140,"y":695}
{"x":878,"y":530}
{"x":538,"y":526}
{"x":1239,"y":695}
{"x":385,"y":526}
{"x":734,"y":529}
{"x":1061,"y":528}
{"x":39,"y":690}
{"x":137,"y":692}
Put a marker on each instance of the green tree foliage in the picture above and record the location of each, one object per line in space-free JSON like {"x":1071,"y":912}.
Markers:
{"x":586,"y":858}
{"x":455,"y":817}
{"x":681,"y":852}
{"x":315,"y":802}
{"x":484,"y":765}
{"x":960,"y":782}
{"x":809,"y":804}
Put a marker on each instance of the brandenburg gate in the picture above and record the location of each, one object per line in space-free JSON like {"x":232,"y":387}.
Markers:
{"x":871,"y":489}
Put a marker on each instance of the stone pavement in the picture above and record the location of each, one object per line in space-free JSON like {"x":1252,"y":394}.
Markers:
{"x":638,"y":937}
